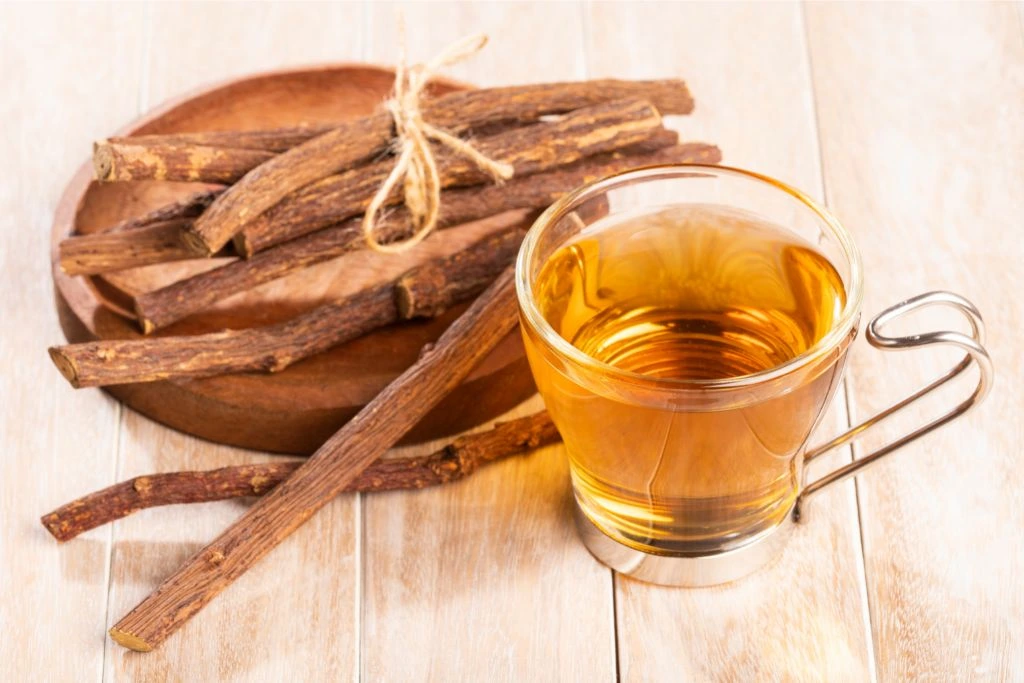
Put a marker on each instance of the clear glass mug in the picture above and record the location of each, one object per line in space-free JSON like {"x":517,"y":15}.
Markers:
{"x":695,"y":482}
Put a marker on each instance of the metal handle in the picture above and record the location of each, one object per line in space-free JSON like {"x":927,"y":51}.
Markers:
{"x":976,"y":354}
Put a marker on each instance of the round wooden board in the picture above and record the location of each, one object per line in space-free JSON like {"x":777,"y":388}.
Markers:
{"x":293,"y":411}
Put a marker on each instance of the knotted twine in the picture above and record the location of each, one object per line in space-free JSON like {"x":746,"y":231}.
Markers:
{"x":416,"y":167}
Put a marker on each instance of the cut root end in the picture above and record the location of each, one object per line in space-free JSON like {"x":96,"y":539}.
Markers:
{"x":130,"y":641}
{"x":102,"y":161}
{"x":66,"y":366}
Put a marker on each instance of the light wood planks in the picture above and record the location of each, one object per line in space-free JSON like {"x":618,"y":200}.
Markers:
{"x":485,"y":580}
{"x":919,"y":110}
{"x":922,"y":113}
{"x":806,"y":616}
{"x":198,"y":43}
{"x":295,"y":616}
{"x":59,"y":86}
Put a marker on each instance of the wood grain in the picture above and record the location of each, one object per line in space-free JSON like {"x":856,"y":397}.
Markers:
{"x":160,"y":307}
{"x":491,"y":569}
{"x":54,"y":441}
{"x":919,"y":110}
{"x":804,"y":617}
{"x":295,"y":410}
{"x":543,"y":146}
{"x":425,"y":291}
{"x":378,"y":427}
{"x":310,"y":641}
{"x":127,"y":161}
{"x":928,"y":175}
{"x":326,"y":166}
{"x":455,"y":461}
{"x":105,"y":252}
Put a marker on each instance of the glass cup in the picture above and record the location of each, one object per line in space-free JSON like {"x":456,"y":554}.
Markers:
{"x":696,"y":481}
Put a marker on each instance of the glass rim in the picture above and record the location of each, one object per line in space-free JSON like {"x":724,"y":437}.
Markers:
{"x":527,"y":305}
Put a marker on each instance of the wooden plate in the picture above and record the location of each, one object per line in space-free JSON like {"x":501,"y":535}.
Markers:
{"x":293,"y":411}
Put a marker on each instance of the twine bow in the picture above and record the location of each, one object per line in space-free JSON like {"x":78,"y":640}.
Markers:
{"x":416,"y":167}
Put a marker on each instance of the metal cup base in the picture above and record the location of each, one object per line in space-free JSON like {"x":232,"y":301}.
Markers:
{"x":684,"y":570}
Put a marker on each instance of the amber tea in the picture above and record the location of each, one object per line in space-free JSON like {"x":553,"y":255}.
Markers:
{"x":687,"y":326}
{"x":694,"y":292}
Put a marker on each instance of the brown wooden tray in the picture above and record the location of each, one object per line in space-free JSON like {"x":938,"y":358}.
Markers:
{"x":293,"y":411}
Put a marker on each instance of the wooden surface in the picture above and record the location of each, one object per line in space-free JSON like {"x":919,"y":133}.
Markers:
{"x":297,"y":409}
{"x":908,"y":120}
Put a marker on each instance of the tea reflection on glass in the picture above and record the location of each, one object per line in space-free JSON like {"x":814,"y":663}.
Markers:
{"x":687,"y":327}
{"x":686,"y":293}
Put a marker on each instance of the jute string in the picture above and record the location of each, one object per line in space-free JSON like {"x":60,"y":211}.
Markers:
{"x":416,"y":167}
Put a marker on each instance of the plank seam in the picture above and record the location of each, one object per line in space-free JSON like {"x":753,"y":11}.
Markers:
{"x":109,"y":578}
{"x":142,"y":104}
{"x":360,"y":602}
{"x":359,"y":673}
{"x":615,"y":625}
{"x":1020,"y":18}
{"x":147,"y":53}
{"x":847,"y":390}
{"x":586,"y":49}
{"x":863,"y":551}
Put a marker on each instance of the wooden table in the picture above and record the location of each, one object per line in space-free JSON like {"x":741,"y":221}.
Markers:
{"x":907,"y":120}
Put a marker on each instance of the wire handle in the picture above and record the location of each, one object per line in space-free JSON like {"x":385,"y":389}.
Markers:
{"x":976,"y":355}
